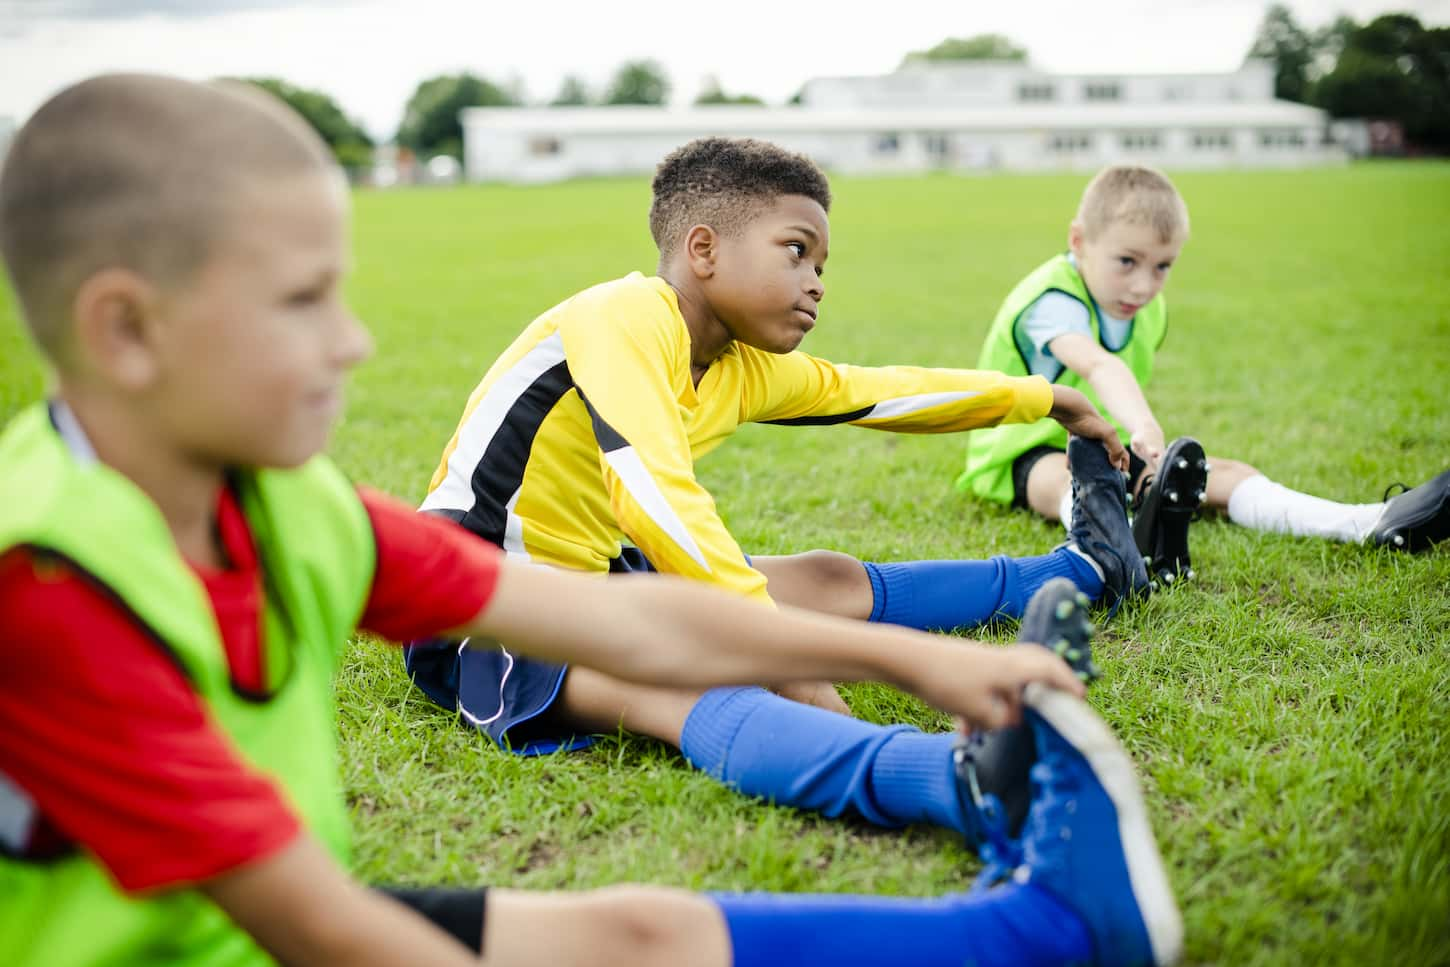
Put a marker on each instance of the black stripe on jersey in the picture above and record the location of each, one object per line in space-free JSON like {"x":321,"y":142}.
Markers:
{"x":500,"y":470}
{"x":609,"y":438}
{"x":823,"y":420}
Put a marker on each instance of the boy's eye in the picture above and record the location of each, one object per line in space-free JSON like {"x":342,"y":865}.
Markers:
{"x":797,"y":249}
{"x":1164,"y":266}
{"x":304,"y":298}
{"x":1126,"y":261}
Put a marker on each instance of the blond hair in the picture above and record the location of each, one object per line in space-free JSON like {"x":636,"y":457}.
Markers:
{"x":135,"y":171}
{"x":1136,"y":195}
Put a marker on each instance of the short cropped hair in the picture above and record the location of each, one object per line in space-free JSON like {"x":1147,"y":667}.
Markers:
{"x":723,"y":182}
{"x":135,"y":171}
{"x":1133,"y":194}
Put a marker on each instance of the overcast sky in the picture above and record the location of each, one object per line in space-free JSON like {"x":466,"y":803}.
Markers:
{"x":370,"y":54}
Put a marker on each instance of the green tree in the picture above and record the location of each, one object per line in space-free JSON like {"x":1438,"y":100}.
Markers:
{"x":350,"y":144}
{"x":1289,"y":46}
{"x":1393,"y":67}
{"x":638,"y":82}
{"x":980,"y":47}
{"x":572,"y":93}
{"x":713,"y":94}
{"x":430,"y":121}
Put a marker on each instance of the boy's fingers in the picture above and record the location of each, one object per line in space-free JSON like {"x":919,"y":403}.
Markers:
{"x":1045,"y":667}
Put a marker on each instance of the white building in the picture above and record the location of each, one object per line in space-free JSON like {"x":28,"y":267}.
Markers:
{"x":975,"y":115}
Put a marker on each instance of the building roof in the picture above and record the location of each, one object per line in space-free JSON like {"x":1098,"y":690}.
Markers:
{"x":737,"y":120}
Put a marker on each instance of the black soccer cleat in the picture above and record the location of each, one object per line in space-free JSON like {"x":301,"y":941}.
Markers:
{"x":1167,"y":505}
{"x":1416,"y":519}
{"x":1100,"y":526}
{"x":993,"y":767}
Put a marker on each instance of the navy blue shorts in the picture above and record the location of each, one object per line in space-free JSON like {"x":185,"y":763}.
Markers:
{"x":503,"y":695}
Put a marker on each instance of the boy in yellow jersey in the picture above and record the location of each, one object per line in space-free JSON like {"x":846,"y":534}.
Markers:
{"x":1093,"y":318}
{"x":577,"y":450}
{"x":179,"y":568}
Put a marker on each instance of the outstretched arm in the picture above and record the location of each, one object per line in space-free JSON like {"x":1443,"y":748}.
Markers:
{"x":666,"y":631}
{"x":1116,"y":386}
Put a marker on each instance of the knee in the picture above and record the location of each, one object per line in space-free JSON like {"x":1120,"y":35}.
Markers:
{"x":1231,"y":471}
{"x":647,"y":926}
{"x":832,"y":569}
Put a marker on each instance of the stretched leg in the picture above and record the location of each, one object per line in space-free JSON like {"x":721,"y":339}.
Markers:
{"x":929,"y":595}
{"x":618,"y":926}
{"x":1253,"y":500}
{"x":1049,"y":488}
{"x":768,"y":747}
{"x":1085,"y":884}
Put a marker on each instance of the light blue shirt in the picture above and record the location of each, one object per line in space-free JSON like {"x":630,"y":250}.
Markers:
{"x":1055,"y":314}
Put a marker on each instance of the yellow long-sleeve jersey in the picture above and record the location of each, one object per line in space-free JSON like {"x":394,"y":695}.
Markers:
{"x":585,"y":431}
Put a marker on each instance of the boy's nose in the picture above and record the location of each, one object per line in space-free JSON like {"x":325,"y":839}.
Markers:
{"x":355,"y":343}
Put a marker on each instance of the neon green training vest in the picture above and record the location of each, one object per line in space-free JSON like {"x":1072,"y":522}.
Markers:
{"x":990,"y":451}
{"x":316,"y":549}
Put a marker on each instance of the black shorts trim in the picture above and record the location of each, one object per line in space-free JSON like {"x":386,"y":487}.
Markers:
{"x":1022,"y":469}
{"x":457,"y":911}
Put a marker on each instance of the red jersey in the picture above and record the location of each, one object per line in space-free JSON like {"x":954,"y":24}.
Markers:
{"x":105,"y":747}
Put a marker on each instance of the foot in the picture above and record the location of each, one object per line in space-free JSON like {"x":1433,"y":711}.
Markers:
{"x":1168,"y":502}
{"x":1416,"y":519}
{"x":1088,"y":841}
{"x":993,"y":768}
{"x":1100,"y":521}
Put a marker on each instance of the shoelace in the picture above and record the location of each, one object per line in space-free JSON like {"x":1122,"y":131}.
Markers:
{"x":1403,"y":490}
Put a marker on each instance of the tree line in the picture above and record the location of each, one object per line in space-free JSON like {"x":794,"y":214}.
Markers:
{"x":1392,"y":67}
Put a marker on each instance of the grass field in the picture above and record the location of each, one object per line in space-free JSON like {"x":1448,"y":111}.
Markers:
{"x":1289,"y":711}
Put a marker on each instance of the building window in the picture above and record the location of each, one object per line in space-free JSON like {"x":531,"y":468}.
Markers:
{"x":937,"y":146}
{"x":1280,"y":139}
{"x":1141,"y":141}
{"x":544,"y":146}
{"x":1102,"y":91}
{"x":888,"y":143}
{"x":1036,"y":91}
{"x":1070,"y":143}
{"x":1212,"y":141}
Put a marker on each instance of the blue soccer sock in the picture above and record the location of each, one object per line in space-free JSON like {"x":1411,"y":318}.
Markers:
{"x":802,"y":756}
{"x":1013,"y":924}
{"x":942,"y":595}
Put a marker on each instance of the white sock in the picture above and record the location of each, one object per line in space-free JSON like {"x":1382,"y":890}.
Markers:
{"x":1260,"y":503}
{"x":1064,"y":508}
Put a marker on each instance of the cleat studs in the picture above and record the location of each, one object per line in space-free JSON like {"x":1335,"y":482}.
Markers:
{"x":1173,"y":496}
{"x":1064,"y":608}
{"x":1182,"y":463}
{"x":1168,"y":578}
{"x":1203,"y":465}
{"x":1082,"y":599}
{"x":1202,"y":496}
{"x":1189,"y":574}
{"x":1399,"y":540}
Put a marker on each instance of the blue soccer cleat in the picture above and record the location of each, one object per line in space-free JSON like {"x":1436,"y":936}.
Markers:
{"x":1100,"y":528}
{"x":994,"y":768}
{"x":1087,"y":841}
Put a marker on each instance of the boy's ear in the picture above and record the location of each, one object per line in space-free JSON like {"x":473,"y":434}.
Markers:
{"x":1075,"y":237}
{"x":114,"y":329}
{"x":702,"y":245}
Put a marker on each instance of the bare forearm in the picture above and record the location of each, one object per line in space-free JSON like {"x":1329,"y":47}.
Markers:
{"x":1121,"y":395}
